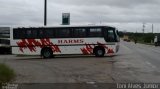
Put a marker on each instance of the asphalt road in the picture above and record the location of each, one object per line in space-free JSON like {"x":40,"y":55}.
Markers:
{"x":137,"y":63}
{"x":134,"y":63}
{"x":71,"y":69}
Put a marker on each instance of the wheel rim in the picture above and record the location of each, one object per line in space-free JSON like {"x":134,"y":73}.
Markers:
{"x":47,"y":53}
{"x":100,"y":52}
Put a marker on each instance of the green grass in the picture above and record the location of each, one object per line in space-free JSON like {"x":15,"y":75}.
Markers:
{"x":6,"y":73}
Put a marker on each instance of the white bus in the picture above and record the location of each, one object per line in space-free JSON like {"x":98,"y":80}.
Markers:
{"x":59,"y":40}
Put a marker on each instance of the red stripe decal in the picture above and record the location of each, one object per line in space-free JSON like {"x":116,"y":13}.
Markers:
{"x":31,"y":44}
{"x":88,"y":49}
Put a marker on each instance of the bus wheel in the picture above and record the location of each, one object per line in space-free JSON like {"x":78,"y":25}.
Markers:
{"x":46,"y":53}
{"x":99,"y":52}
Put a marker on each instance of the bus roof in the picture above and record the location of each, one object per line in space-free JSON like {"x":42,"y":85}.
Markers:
{"x":65,"y":26}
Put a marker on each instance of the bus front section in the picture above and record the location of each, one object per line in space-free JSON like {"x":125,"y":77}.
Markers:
{"x":112,"y":39}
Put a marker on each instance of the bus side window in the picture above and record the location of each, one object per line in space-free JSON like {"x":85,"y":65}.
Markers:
{"x":41,"y":33}
{"x":95,"y":32}
{"x":63,"y":33}
{"x":31,"y":33}
{"x":34,"y":33}
{"x":79,"y":32}
{"x":18,"y":33}
{"x":49,"y":33}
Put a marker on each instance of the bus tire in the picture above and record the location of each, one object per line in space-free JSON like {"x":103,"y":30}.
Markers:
{"x":99,"y":51}
{"x":46,"y":53}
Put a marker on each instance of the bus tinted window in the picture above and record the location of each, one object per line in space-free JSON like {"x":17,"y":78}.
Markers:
{"x":31,"y":33}
{"x":28,"y":33}
{"x":49,"y":33}
{"x":41,"y":33}
{"x":18,"y":33}
{"x":15,"y":32}
{"x":95,"y":32}
{"x":63,"y":33}
{"x":79,"y":32}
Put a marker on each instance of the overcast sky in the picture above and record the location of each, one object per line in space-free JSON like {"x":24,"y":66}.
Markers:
{"x":124,"y":14}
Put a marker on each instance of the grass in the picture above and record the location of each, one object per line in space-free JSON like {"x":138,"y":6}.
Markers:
{"x":6,"y":74}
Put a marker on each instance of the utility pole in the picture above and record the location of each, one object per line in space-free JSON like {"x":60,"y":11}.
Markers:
{"x":45,"y":12}
{"x":143,"y":29}
{"x":152,"y":28}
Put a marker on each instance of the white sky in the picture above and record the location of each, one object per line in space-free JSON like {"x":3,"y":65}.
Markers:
{"x":124,"y":14}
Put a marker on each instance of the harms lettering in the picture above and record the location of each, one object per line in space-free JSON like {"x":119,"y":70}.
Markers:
{"x":70,"y":41}
{"x":31,"y":44}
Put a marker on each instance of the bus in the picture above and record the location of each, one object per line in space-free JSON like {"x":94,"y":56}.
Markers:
{"x":5,"y":40}
{"x":5,"y":46}
{"x":61,"y":40}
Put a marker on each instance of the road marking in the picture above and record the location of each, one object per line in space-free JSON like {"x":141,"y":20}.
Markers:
{"x":154,"y":67}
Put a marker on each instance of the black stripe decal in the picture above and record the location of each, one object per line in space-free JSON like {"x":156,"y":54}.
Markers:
{"x":62,"y":45}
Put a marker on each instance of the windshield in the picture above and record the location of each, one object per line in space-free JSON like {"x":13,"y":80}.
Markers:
{"x":117,"y":35}
{"x":111,"y":35}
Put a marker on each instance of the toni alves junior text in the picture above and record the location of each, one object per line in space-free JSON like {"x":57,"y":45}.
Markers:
{"x":138,"y":85}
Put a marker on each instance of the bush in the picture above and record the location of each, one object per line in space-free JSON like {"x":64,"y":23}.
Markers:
{"x":148,"y":37}
{"x":141,"y":37}
{"x":6,"y":74}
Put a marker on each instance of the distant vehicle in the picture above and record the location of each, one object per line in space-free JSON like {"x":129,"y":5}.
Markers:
{"x":157,"y":40}
{"x":58,"y":40}
{"x":126,"y":38}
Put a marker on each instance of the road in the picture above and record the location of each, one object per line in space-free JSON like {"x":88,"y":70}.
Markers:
{"x":134,"y":63}
{"x":137,"y":63}
{"x":71,"y":69}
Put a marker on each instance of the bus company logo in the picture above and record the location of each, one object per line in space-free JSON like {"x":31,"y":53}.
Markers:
{"x":74,"y":41}
{"x":31,"y":44}
{"x":88,"y":49}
